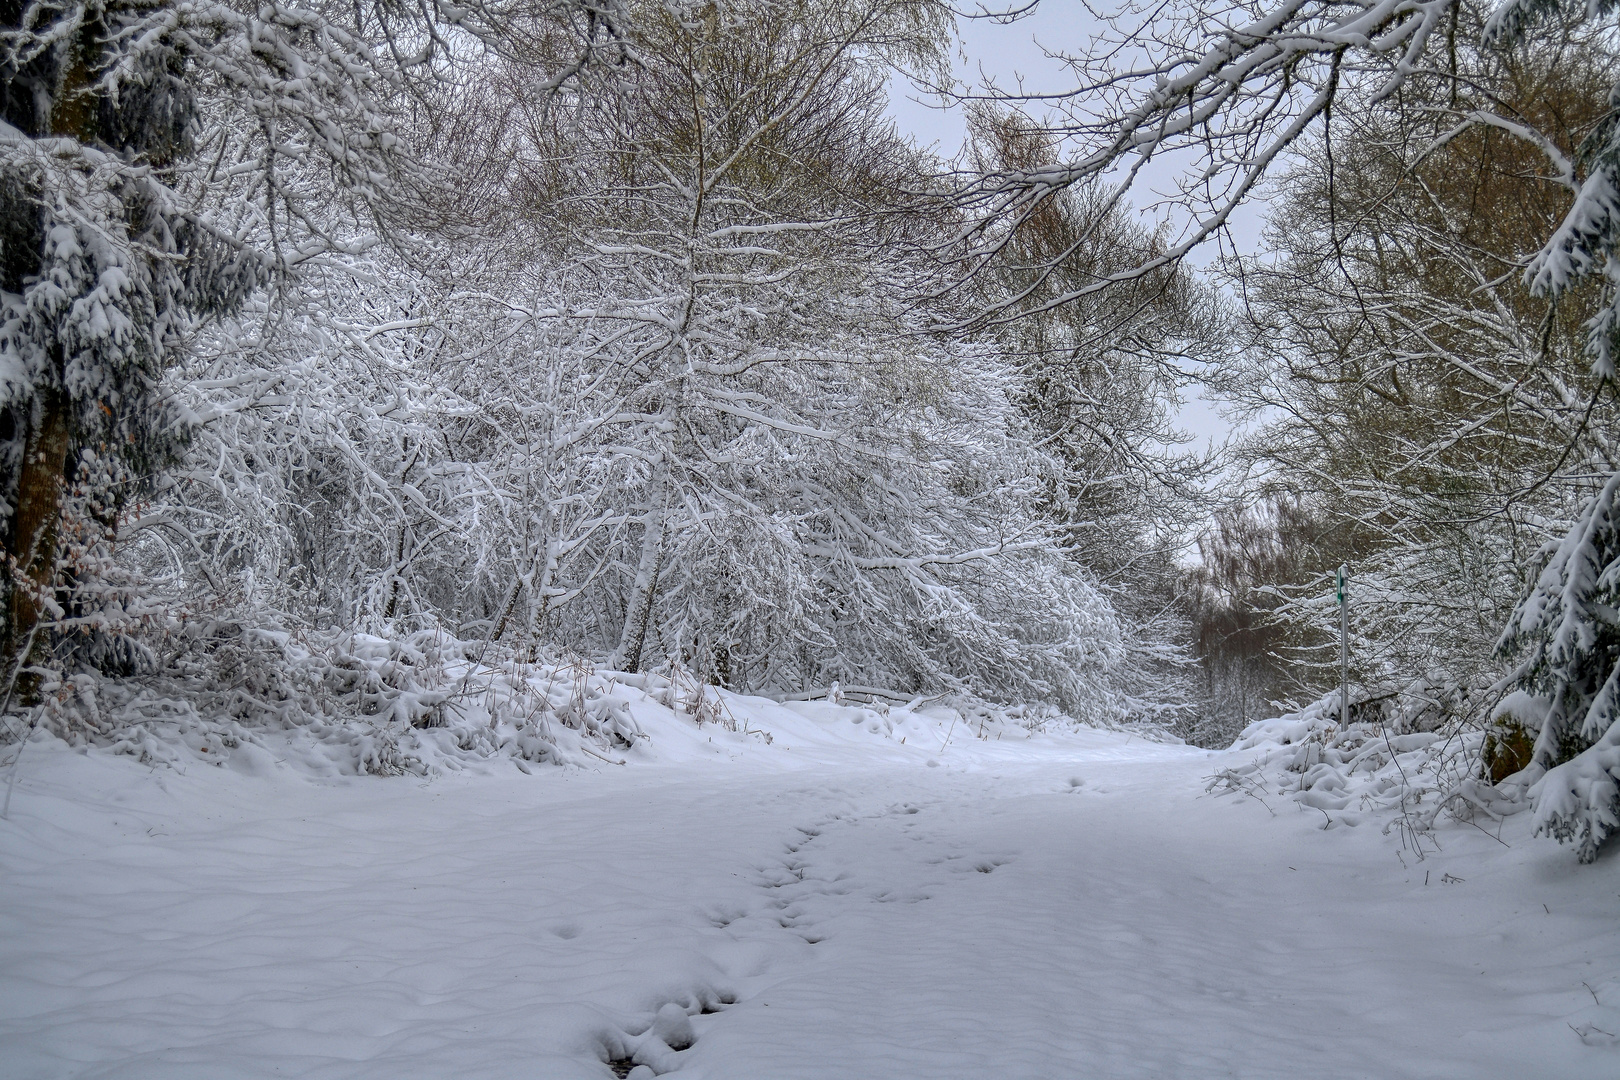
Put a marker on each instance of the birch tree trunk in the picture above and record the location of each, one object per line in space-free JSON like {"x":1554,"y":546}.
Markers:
{"x":643,"y":592}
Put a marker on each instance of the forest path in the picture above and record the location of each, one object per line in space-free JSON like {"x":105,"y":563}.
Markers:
{"x":1084,"y":911}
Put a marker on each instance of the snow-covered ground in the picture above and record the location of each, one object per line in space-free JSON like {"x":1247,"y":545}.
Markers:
{"x":833,"y":903}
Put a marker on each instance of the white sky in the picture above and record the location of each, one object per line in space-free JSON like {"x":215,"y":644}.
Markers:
{"x":1007,"y":53}
{"x":1013,"y":55}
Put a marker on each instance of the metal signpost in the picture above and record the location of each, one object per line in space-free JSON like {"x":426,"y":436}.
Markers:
{"x":1342,"y":583}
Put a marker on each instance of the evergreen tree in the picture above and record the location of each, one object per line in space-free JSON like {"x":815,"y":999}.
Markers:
{"x":1567,"y":627}
{"x":1567,"y":619}
{"x":101,"y":269}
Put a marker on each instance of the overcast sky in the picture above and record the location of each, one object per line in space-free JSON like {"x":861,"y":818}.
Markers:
{"x":1007,"y":53}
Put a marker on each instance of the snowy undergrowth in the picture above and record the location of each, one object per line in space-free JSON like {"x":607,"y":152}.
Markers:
{"x":250,"y":699}
{"x":1376,"y":770}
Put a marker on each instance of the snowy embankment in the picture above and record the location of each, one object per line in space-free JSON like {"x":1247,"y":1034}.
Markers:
{"x":427,"y":704}
{"x":822,"y":892}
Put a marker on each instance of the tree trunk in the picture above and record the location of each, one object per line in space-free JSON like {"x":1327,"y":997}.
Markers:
{"x":36,"y":516}
{"x":638,"y":613}
{"x":35,"y":529}
{"x":399,"y":568}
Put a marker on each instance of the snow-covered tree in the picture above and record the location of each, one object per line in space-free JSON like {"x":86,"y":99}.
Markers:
{"x":819,"y":490}
{"x":1566,"y":619}
{"x":160,"y":160}
{"x":1432,"y":413}
{"x":104,"y":268}
{"x":650,"y":384}
{"x":1570,"y":679}
{"x":1103,"y":377}
{"x":1230,"y":93}
{"x":1248,"y":657}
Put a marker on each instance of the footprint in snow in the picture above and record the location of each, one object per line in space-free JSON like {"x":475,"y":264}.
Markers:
{"x":722,"y":916}
{"x":657,"y":1050}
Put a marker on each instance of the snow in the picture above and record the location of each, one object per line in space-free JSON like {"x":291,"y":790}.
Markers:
{"x":824,"y":904}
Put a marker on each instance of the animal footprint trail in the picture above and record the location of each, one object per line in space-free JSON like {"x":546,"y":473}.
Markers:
{"x":792,"y":881}
{"x":640,"y":1051}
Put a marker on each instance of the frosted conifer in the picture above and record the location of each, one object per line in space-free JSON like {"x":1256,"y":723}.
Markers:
{"x":1567,"y":619}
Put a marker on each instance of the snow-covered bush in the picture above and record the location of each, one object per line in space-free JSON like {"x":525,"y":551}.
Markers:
{"x":1389,"y":764}
{"x":243,"y":696}
{"x":348,"y":702}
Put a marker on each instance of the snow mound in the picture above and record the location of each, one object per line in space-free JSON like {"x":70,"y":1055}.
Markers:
{"x":1364,"y":770}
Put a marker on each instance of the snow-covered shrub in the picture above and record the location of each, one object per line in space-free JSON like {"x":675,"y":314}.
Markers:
{"x":418,"y":702}
{"x":1510,"y":736}
{"x":1393,"y":763}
